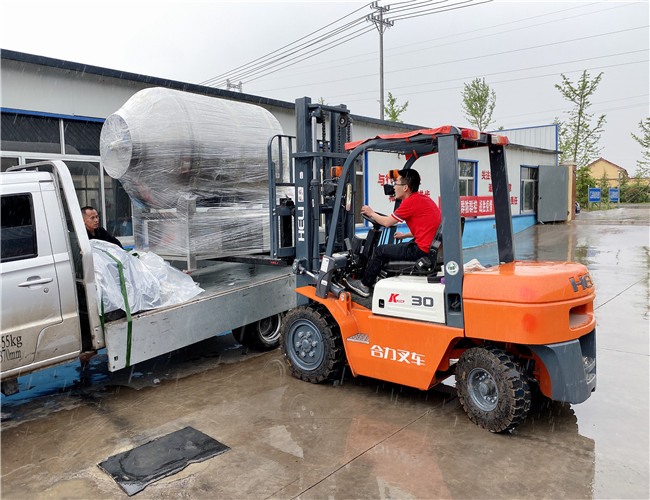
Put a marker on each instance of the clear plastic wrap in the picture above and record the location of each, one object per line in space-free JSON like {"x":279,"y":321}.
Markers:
{"x":195,"y":168}
{"x":145,"y":279}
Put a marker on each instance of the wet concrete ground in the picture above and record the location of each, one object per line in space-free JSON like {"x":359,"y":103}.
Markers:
{"x":361,"y":438}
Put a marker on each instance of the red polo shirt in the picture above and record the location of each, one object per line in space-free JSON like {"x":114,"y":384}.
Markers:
{"x":422,"y":216}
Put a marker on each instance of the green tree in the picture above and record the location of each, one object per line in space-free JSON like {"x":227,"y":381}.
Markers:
{"x":624,"y":188}
{"x":579,"y":137}
{"x":393,"y":110}
{"x":643,"y":165}
{"x":478,"y":103}
{"x":603,"y":184}
{"x":635,"y":190}
{"x":584,"y":181}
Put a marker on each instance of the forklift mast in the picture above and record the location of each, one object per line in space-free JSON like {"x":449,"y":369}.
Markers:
{"x":313,"y":167}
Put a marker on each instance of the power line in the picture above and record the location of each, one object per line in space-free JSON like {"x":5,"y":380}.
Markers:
{"x":397,"y":7}
{"x":415,"y":9}
{"x":272,"y":58}
{"x":503,"y":53}
{"x":295,"y":52}
{"x":437,"y":10}
{"x":262,"y":59}
{"x":510,"y":23}
{"x":546,"y":111}
{"x":331,"y":45}
{"x":504,"y":81}
{"x":465,"y":78}
{"x":544,"y":45}
{"x":438,"y":45}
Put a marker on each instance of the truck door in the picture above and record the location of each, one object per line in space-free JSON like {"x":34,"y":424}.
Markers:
{"x":31,"y":302}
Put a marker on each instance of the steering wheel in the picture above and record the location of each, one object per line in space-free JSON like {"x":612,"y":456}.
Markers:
{"x":372,"y":221}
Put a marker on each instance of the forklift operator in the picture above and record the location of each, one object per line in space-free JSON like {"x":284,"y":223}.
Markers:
{"x":421,"y":215}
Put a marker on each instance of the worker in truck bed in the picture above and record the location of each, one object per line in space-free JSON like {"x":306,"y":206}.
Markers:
{"x":421,"y":215}
{"x":94,"y":230}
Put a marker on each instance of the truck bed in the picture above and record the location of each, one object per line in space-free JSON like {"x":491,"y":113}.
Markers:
{"x":236,"y":294}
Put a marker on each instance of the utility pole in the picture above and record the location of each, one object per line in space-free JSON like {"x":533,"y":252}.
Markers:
{"x":381,"y":25}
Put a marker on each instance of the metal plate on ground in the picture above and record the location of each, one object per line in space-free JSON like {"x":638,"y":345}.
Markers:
{"x":135,"y":469}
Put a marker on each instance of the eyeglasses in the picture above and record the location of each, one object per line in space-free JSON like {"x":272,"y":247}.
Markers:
{"x":400,"y":184}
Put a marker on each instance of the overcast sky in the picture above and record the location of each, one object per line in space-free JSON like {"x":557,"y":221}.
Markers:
{"x":519,"y":47}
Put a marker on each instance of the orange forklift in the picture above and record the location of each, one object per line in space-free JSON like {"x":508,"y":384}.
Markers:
{"x":505,"y":331}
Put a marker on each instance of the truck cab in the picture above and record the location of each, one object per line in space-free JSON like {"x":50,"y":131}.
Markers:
{"x":38,"y":275}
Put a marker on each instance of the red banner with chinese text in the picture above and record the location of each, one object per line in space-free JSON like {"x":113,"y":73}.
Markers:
{"x":475,"y":206}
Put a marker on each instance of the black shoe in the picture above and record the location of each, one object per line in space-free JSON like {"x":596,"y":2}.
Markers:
{"x":357,"y":286}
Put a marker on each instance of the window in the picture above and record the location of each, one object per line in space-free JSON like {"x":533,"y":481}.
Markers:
{"x":467,"y":177}
{"x":81,"y":137}
{"x":31,"y":134}
{"x":118,"y":208}
{"x":528,"y":189}
{"x":57,"y":138}
{"x":9,"y":161}
{"x":85,"y":175}
{"x":18,"y":238}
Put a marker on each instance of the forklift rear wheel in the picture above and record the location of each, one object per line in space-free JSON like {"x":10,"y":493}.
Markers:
{"x":311,"y":343}
{"x":263,"y":335}
{"x":492,"y":389}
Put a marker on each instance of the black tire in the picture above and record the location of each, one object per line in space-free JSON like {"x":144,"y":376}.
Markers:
{"x":311,"y":343}
{"x":263,"y":335}
{"x":492,"y":389}
{"x":538,"y":402}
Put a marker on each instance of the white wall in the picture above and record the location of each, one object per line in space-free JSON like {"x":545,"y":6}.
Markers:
{"x":43,"y":89}
{"x":543,"y":136}
{"x":38,"y":88}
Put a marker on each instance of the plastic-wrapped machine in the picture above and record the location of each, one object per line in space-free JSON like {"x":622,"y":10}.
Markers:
{"x":137,"y":282}
{"x":195,"y":168}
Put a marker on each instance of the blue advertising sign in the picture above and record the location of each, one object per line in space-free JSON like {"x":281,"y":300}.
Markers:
{"x":613,"y":195}
{"x":594,"y":195}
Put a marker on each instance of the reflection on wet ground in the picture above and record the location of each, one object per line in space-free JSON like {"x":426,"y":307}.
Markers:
{"x":359,"y":438}
{"x":64,"y":385}
{"x":288,"y":439}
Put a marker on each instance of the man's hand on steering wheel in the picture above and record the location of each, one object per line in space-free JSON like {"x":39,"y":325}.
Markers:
{"x":370,"y":219}
{"x":368,"y":214}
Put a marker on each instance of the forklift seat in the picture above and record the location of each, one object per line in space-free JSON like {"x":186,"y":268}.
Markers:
{"x":428,"y":265}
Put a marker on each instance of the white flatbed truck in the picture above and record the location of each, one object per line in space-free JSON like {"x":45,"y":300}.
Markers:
{"x":50,"y":312}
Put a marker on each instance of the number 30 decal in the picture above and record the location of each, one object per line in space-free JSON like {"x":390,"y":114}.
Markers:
{"x":416,"y":300}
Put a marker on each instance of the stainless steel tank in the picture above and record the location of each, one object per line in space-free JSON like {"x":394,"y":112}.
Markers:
{"x":195,"y":168}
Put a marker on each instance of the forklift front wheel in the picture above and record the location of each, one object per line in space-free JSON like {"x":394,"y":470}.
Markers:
{"x":311,"y":343}
{"x":492,"y":389}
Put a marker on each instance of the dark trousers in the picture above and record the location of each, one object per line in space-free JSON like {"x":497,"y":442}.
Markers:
{"x":386,"y":253}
